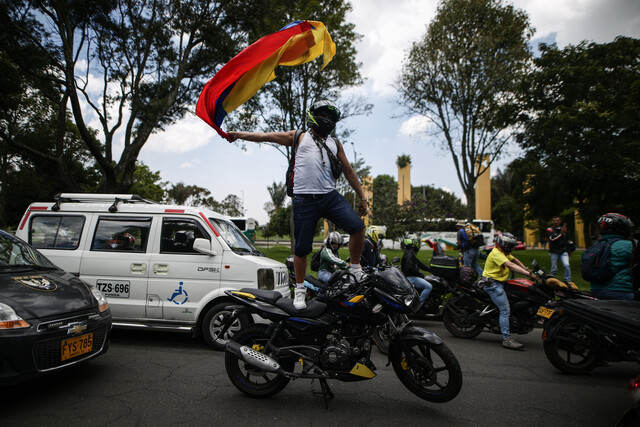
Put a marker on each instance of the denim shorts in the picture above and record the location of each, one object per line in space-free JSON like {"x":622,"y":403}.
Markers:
{"x":309,"y":208}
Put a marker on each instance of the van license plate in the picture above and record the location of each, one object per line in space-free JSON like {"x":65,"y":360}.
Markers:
{"x":114,"y":288}
{"x":545,"y":312}
{"x":76,"y":346}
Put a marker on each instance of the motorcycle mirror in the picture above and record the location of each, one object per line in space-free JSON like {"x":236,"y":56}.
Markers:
{"x":395,"y":259}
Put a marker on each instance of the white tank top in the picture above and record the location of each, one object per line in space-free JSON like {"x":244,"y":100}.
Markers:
{"x":310,"y":175}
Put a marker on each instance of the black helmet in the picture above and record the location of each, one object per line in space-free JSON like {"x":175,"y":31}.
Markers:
{"x":615,"y":223}
{"x":334,"y":238}
{"x":506,"y":241}
{"x":322,"y":117}
{"x":411,"y":241}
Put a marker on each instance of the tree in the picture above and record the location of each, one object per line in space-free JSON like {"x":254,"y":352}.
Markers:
{"x":463,"y":76}
{"x":147,"y":184}
{"x":278,"y":194}
{"x":582,"y":126}
{"x":134,"y":67}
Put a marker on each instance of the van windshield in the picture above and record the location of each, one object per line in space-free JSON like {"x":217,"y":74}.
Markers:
{"x":237,"y":241}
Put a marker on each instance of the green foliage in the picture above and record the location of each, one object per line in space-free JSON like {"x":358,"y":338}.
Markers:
{"x":146,"y":183}
{"x":403,"y":160}
{"x":463,"y":75}
{"x":582,"y":127}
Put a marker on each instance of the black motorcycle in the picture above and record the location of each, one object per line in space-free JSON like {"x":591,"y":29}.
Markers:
{"x":332,"y":339}
{"x":579,"y":335}
{"x":471,"y":311}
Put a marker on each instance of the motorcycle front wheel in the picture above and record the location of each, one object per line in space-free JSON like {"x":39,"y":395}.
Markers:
{"x":570,"y":349}
{"x":430,"y":371}
{"x":249,"y":379}
{"x":457,"y":326}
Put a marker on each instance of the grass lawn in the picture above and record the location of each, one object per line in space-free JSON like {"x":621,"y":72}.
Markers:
{"x":281,"y":252}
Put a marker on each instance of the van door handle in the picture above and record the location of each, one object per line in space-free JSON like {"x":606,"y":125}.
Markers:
{"x":160,"y":268}
{"x":138,"y":268}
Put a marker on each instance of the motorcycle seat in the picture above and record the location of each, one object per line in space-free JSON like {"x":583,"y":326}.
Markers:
{"x":264,"y":295}
{"x":314,"y":308}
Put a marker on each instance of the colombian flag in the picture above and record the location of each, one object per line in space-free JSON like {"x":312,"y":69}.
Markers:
{"x":247,"y":72}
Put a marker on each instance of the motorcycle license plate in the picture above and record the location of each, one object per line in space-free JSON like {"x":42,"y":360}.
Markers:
{"x":74,"y":347}
{"x":545,"y":312}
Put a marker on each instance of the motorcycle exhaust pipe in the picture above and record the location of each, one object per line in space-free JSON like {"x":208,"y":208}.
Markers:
{"x":252,"y":357}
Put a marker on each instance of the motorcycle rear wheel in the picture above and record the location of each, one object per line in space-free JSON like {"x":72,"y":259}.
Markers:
{"x":248,"y":379}
{"x":570,"y":350}
{"x":430,"y":371}
{"x":458,"y":327}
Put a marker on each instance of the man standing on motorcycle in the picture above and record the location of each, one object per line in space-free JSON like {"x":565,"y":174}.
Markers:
{"x":410,"y":266}
{"x":559,"y":247}
{"x":329,"y":259}
{"x":497,"y":267}
{"x":314,"y":189}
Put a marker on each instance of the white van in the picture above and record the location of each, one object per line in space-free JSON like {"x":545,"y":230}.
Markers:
{"x":160,"y":266}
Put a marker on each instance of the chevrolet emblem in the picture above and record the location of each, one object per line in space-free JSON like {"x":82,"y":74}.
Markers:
{"x":76,"y":329}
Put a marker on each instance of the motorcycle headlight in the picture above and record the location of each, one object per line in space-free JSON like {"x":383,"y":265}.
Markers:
{"x":102,"y":300}
{"x":9,"y":319}
{"x":408,"y":300}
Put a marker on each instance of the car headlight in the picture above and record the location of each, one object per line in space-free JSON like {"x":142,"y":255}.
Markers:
{"x":9,"y":319}
{"x":102,"y":300}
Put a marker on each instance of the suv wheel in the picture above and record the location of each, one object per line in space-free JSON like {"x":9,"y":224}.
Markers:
{"x":214,"y":321}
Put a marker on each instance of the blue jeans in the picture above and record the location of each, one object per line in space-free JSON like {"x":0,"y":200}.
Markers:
{"x":499,"y":298}
{"x":308,"y":209}
{"x":422,"y":286}
{"x":564,"y":257}
{"x":470,"y":259}
{"x":324,"y":275}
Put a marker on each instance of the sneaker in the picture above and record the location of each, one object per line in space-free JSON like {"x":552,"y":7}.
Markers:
{"x":358,"y":273}
{"x":299,"y":298}
{"x":512,"y":344}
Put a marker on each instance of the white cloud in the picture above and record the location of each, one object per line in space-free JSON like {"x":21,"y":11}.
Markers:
{"x":188,"y":134}
{"x":415,"y":125}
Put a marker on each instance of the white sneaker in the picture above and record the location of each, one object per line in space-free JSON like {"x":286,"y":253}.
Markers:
{"x":358,"y":273}
{"x":300,"y":294}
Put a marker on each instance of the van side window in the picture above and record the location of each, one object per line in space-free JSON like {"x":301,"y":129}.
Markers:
{"x":178,"y":235}
{"x":56,"y":231}
{"x":121,"y":234}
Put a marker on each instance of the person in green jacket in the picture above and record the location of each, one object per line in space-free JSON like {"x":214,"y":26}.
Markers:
{"x":615,"y":226}
{"x":329,"y":259}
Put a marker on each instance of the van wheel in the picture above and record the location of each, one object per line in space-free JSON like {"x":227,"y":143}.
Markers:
{"x":215,"y":320}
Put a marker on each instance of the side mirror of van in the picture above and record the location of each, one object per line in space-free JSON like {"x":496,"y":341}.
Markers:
{"x":203,"y":246}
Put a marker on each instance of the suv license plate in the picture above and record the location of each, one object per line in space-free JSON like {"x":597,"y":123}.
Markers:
{"x":76,"y":346}
{"x":114,"y":288}
{"x":545,"y":312}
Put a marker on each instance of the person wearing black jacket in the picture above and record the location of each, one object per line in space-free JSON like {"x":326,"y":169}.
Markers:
{"x":411,"y":266}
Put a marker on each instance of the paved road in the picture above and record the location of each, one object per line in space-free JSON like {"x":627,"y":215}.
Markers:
{"x":171,"y":379}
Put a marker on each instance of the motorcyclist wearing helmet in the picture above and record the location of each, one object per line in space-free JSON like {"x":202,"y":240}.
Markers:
{"x":329,"y":259}
{"x":314,"y":188}
{"x":616,"y":228}
{"x":372,"y":244}
{"x":411,"y":266}
{"x":497,"y":267}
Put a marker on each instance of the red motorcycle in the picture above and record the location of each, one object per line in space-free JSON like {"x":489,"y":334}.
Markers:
{"x":471,"y":311}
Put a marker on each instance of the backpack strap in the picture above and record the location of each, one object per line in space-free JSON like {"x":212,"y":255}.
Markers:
{"x":296,"y":142}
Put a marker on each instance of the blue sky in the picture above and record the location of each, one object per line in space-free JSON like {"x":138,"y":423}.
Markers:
{"x":193,"y":153}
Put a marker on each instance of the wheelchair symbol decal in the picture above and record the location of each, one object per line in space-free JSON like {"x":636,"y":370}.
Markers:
{"x":180,"y":296}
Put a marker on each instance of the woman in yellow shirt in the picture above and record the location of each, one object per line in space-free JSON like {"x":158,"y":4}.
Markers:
{"x":497,"y":267}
